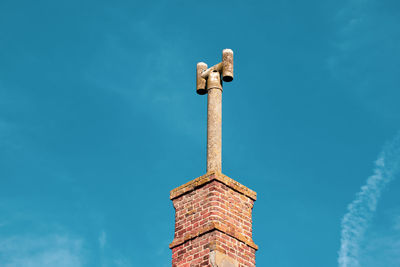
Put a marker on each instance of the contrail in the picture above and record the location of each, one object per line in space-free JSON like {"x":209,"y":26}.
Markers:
{"x":361,"y":210}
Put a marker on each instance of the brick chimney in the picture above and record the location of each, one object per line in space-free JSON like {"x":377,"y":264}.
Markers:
{"x":213,"y":223}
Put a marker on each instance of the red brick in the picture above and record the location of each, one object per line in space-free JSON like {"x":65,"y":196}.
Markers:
{"x":213,"y":213}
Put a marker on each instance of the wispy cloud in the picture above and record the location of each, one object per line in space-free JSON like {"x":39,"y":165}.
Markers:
{"x":383,"y":251}
{"x":121,"y":262}
{"x":396,"y":225}
{"x":7,"y":135}
{"x":365,"y":57}
{"x":52,"y":250}
{"x":360,"y":211}
{"x":102,"y":239}
{"x":152,"y":77}
{"x":382,"y":245}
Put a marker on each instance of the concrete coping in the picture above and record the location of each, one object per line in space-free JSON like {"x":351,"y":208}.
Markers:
{"x":207,"y":178}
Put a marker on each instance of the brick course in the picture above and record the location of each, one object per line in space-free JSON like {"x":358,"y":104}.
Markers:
{"x":213,"y":213}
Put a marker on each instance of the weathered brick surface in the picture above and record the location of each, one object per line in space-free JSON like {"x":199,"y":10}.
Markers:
{"x":212,"y":215}
{"x":196,"y":252}
{"x":199,"y":181}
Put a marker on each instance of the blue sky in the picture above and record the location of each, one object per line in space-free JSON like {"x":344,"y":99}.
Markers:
{"x":99,"y":120}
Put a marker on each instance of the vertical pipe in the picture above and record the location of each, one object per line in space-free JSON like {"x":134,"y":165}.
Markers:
{"x":200,"y":81}
{"x":227,"y":65}
{"x":214,"y":121}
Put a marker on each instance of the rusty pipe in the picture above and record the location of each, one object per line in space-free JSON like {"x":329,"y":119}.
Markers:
{"x":214,"y":122}
{"x":217,"y":67}
{"x":227,"y":65}
{"x":200,"y":81}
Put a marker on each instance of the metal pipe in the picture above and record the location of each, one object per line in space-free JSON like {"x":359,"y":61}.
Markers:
{"x":227,"y":62}
{"x":214,"y":122}
{"x":217,"y":67}
{"x":200,"y":81}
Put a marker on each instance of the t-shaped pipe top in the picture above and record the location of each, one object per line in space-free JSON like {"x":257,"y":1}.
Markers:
{"x":225,"y":67}
{"x":209,"y":82}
